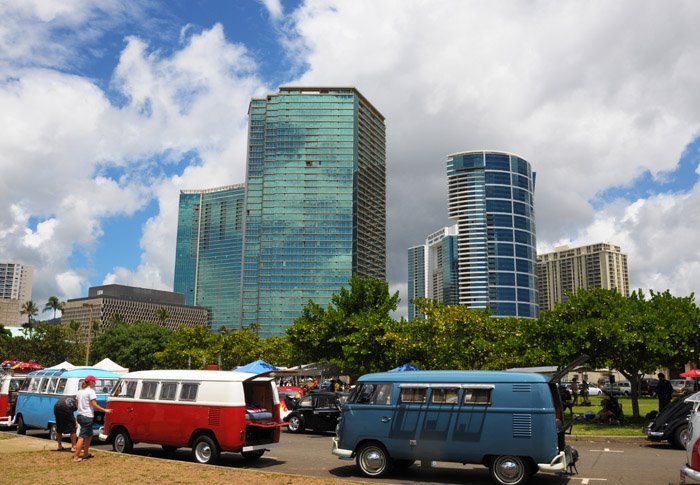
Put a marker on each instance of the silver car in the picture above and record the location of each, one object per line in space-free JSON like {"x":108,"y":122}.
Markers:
{"x":690,"y":472}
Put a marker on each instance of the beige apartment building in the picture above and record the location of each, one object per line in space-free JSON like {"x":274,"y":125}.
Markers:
{"x":109,"y":303}
{"x":599,"y":265}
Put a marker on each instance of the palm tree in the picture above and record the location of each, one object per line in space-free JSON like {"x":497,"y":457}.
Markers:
{"x":30,"y":309}
{"x":53,"y":304}
{"x":162,"y":314}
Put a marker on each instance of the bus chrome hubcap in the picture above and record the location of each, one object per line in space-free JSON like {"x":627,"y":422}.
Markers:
{"x":373,"y":461}
{"x":203,"y":452}
{"x":509,"y":469}
{"x":119,"y":442}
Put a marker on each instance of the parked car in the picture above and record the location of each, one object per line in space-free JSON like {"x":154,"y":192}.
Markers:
{"x":317,"y":411}
{"x":594,"y":390}
{"x":682,"y":386}
{"x":671,"y":424}
{"x":691,"y":469}
{"x":620,"y":388}
{"x":648,"y":385}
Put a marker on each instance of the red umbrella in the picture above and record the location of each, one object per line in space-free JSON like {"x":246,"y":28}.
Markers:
{"x":691,"y":373}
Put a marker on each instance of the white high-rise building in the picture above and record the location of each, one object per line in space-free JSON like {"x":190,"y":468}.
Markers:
{"x":15,"y":289}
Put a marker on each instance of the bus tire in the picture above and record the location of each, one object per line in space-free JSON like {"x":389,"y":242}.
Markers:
{"x":53,"y":432}
{"x":251,"y":456}
{"x":122,"y":442}
{"x":21,"y":427}
{"x":509,"y":470}
{"x":205,"y":450}
{"x":373,"y":460}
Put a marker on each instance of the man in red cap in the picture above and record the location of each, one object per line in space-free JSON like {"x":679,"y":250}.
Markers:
{"x":87,"y":405}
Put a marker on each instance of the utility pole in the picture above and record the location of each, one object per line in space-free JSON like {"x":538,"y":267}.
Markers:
{"x":89,"y":333}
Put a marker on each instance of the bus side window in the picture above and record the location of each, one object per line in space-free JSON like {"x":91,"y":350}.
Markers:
{"x":168,"y":391}
{"x":478,"y":395}
{"x":415,"y":395}
{"x":25,"y":385}
{"x":445,"y":395}
{"x":34,"y":385}
{"x":52,"y":386}
{"x":374,"y":394}
{"x":61,"y":387}
{"x":188,"y":392}
{"x":148,"y":390}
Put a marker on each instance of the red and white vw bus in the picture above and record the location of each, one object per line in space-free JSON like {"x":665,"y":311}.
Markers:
{"x":9,"y":386}
{"x":208,"y":411}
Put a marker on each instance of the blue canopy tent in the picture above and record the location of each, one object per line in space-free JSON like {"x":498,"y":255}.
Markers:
{"x":406,"y":367}
{"x":257,"y":367}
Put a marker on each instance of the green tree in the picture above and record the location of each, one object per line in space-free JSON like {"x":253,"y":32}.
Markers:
{"x":352,"y":331}
{"x":53,"y":304}
{"x":633,"y":335}
{"x":30,"y":309}
{"x":189,"y":347}
{"x":134,"y":346}
{"x":46,"y":344}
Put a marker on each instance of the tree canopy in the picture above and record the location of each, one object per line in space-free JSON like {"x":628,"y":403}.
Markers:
{"x":131,"y":345}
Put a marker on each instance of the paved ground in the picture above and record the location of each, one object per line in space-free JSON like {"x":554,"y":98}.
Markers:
{"x":603,"y":461}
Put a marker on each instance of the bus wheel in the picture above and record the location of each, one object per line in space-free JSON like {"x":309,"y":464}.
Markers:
{"x":373,"y":460}
{"x":21,"y":427}
{"x":296,"y":424}
{"x":509,"y":470}
{"x":122,"y":442}
{"x":205,"y":450}
{"x":53,"y":433}
{"x":252,"y":455}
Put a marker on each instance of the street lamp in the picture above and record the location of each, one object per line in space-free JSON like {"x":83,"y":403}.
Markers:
{"x":89,"y":332}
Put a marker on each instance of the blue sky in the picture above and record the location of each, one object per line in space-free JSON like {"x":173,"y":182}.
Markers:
{"x":111,"y":107}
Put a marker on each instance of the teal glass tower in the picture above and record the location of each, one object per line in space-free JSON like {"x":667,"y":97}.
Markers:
{"x":209,"y":252}
{"x":315,"y":201}
{"x":491,"y":197}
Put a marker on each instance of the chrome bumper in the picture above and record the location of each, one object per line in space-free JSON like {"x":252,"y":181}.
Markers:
{"x":557,"y":464}
{"x":687,"y":472}
{"x":260,"y":447}
{"x":101,"y":435}
{"x":339,"y":452}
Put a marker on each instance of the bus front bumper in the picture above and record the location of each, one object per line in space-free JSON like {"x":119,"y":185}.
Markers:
{"x":101,"y":434}
{"x":339,"y":452}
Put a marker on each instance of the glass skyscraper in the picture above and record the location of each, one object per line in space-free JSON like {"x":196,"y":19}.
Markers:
{"x":491,"y":199}
{"x":433,"y":269}
{"x":209,"y":252}
{"x":315,"y":201}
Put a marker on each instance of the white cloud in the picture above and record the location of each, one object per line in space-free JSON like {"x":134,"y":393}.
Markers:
{"x":274,"y":8}
{"x":592,"y":94}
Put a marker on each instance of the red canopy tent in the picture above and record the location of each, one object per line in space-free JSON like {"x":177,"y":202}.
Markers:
{"x":691,"y":373}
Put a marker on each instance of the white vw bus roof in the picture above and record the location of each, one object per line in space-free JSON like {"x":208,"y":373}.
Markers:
{"x":194,"y":375}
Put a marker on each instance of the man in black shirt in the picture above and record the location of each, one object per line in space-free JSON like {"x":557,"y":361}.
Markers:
{"x":664,"y":391}
{"x":65,"y":420}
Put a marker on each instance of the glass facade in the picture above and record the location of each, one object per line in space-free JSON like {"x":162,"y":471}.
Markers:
{"x":433,"y":270}
{"x":209,"y":252}
{"x":491,"y":197}
{"x":315,"y":201}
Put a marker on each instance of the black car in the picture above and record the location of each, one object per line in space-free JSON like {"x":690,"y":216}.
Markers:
{"x":671,"y":424}
{"x":647,"y":386}
{"x":318,"y":411}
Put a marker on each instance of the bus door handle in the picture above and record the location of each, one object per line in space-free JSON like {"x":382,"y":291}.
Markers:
{"x":386,"y":419}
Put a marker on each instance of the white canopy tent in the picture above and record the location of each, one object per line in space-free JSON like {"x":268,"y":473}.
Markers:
{"x":65,"y":365}
{"x":110,"y":365}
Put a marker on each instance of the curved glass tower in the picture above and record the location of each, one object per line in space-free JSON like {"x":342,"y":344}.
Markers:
{"x":491,"y":199}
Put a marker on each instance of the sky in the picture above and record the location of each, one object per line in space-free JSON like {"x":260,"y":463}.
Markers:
{"x":108,"y":108}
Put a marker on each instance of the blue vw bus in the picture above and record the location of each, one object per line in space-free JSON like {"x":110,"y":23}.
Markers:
{"x":511,"y":422}
{"x":42,"y":388}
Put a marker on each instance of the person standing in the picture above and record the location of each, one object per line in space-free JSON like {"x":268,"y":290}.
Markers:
{"x":65,"y":420}
{"x":664,"y":391}
{"x":574,"y":389}
{"x":87,"y":405}
{"x":584,"y":393}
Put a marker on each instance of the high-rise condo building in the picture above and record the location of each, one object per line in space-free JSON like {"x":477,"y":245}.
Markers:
{"x":433,"y":269}
{"x":209,"y":252}
{"x":600,"y":265}
{"x":15,"y":289}
{"x":491,"y":200}
{"x":315,"y":201}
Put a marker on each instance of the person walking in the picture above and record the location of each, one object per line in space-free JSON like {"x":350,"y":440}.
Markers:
{"x":87,"y":405}
{"x":664,"y":391}
{"x":65,"y":420}
{"x":585,"y":391}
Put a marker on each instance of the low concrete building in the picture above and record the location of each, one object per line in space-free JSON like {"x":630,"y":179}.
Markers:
{"x":109,"y":304}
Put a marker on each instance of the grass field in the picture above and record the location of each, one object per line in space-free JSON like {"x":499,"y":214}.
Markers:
{"x":630,"y":427}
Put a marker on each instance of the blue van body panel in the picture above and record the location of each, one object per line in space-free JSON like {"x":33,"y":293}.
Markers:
{"x":519,"y":420}
{"x":36,"y":408}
